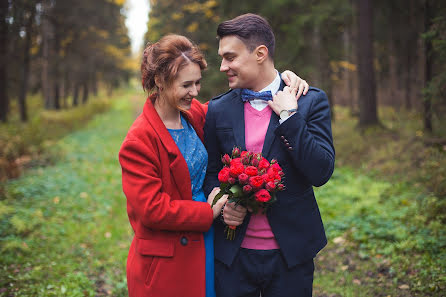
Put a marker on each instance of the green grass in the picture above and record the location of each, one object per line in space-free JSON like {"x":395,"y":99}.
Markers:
{"x":384,"y":210}
{"x":64,"y":229}
{"x":23,"y":144}
{"x":378,"y":227}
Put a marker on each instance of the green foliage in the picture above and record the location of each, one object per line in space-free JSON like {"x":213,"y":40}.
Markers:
{"x":384,"y":218}
{"x":64,"y":229}
{"x":22,"y":143}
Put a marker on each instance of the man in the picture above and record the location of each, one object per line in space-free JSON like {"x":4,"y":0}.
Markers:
{"x":271,"y":254}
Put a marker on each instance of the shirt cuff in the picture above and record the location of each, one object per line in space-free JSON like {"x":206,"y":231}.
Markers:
{"x":281,"y":121}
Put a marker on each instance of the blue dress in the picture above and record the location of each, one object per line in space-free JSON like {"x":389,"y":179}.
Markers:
{"x":196,"y":158}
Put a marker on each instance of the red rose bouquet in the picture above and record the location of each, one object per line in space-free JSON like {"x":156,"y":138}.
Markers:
{"x":249,"y":180}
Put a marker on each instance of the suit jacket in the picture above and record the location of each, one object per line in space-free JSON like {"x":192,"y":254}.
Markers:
{"x":303,"y":146}
{"x":167,"y":254}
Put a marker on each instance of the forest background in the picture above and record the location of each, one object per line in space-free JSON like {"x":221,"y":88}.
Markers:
{"x":382,"y":64}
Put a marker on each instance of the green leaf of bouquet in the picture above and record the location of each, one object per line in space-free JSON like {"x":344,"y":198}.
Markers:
{"x":236,"y":190}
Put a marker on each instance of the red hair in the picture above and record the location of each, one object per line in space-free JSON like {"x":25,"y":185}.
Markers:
{"x":165,"y":58}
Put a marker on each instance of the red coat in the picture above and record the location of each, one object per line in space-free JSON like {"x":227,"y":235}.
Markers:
{"x":167,"y":255}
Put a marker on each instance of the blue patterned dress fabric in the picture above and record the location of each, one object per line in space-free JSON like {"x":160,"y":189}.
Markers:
{"x":196,"y":158}
{"x":248,"y":95}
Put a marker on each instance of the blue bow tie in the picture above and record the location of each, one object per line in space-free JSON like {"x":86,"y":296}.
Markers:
{"x":248,"y":95}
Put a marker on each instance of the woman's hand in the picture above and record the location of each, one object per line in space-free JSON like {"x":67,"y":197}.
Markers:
{"x":295,"y":82}
{"x":283,"y":100}
{"x":216,"y":209}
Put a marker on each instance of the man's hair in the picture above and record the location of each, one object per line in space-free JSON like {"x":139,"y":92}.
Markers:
{"x":253,"y":30}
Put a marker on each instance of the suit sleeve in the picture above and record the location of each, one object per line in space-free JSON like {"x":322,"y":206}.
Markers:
{"x":214,"y":154}
{"x":143,"y":188}
{"x":310,"y":140}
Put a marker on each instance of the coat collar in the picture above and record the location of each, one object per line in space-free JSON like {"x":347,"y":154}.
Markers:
{"x":273,"y":123}
{"x":178,"y":165}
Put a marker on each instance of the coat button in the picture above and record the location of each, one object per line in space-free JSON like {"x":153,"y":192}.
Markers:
{"x":290,"y":148}
{"x":282,"y":137}
{"x":183,"y":240}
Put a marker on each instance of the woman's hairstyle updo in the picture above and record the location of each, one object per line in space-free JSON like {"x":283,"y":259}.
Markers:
{"x":165,"y":58}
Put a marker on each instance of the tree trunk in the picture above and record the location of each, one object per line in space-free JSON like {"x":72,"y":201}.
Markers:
{"x":428,"y":67}
{"x":26,"y":63}
{"x":367,"y":86}
{"x":85,"y":92}
{"x":76,"y":94}
{"x":4,"y":32}
{"x":46,"y":39}
{"x":57,"y":94}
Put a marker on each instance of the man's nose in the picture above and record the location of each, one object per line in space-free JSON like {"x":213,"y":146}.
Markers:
{"x":224,"y":66}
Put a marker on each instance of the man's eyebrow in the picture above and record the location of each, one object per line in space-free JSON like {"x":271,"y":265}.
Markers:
{"x":227,"y":53}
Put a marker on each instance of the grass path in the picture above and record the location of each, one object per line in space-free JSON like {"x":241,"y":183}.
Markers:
{"x":64,"y":229}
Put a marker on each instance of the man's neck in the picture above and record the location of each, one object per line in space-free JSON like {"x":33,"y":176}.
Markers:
{"x":266,"y":76}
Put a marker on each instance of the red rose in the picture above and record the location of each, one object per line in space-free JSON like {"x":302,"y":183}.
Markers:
{"x":243,"y":178}
{"x":251,"y":170}
{"x":256,"y":181}
{"x":236,"y":169}
{"x":232,"y":180}
{"x":263,"y":164}
{"x":280,"y":187}
{"x":276,"y":167}
{"x":262,"y":196}
{"x":245,"y":160}
{"x":244,"y":154}
{"x":235,"y":152}
{"x":226,"y":159}
{"x":223,"y":175}
{"x":247,"y":189}
{"x":236,"y":161}
{"x":270,"y":186}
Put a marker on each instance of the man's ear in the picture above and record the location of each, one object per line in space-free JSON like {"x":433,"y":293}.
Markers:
{"x":261,"y":53}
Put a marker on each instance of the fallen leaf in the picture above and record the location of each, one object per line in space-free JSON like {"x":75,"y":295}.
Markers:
{"x":339,"y":240}
{"x":56,"y":200}
{"x":404,"y":287}
{"x":356,"y":281}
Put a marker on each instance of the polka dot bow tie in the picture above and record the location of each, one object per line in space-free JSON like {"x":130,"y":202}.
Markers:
{"x":248,"y":95}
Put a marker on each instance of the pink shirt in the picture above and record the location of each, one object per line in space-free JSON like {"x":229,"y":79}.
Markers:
{"x":259,"y":235}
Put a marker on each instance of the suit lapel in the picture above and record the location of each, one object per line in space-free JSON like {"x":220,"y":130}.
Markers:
{"x":238,"y":120}
{"x":273,"y":123}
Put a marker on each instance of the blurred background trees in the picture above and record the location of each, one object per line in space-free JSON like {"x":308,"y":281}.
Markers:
{"x":362,"y":53}
{"x":62,"y":49}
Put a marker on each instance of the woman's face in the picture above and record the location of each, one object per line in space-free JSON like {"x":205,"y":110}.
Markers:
{"x":185,"y":87}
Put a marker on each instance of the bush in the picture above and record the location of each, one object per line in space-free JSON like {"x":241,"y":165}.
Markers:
{"x":21,"y":144}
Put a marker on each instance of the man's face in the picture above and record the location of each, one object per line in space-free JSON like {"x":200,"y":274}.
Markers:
{"x":239,"y":64}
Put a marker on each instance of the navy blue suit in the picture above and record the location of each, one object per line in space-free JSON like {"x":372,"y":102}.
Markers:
{"x":303,"y":146}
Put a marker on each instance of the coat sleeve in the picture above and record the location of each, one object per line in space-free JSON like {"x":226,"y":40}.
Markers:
{"x":148,"y":202}
{"x":210,"y":142}
{"x":310,"y":140}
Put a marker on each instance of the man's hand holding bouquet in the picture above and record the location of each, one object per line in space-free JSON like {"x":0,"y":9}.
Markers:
{"x":249,"y":180}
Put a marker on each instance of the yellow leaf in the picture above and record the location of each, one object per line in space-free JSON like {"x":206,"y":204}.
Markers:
{"x":192,"y":27}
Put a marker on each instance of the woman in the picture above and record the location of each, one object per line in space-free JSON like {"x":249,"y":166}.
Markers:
{"x":163,"y":164}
